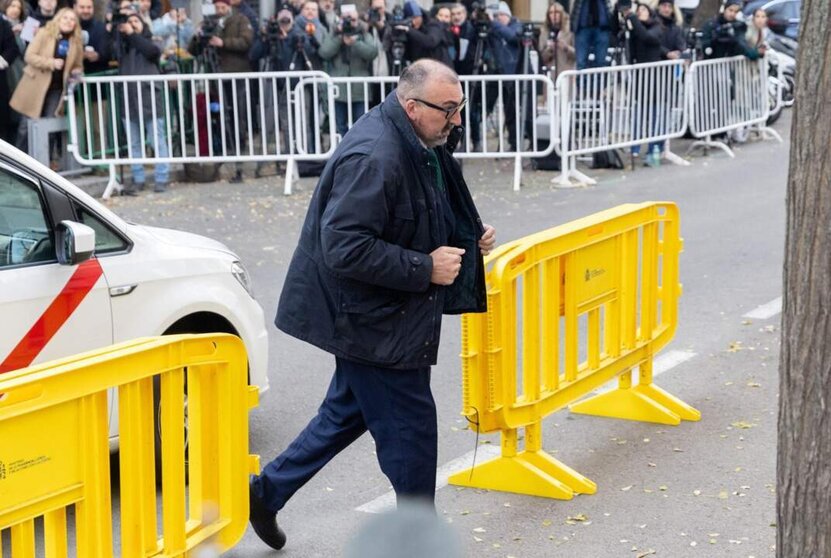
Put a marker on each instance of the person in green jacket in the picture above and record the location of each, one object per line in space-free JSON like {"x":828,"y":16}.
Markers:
{"x":349,"y":51}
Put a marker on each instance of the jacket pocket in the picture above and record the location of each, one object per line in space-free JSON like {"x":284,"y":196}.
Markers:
{"x":370,"y":325}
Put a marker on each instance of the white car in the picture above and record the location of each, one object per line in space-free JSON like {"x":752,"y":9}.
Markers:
{"x":75,"y":277}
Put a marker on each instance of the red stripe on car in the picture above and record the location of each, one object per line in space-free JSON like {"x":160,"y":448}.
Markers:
{"x":55,"y":316}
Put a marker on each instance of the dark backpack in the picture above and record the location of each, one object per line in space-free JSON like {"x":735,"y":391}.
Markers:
{"x":610,"y":159}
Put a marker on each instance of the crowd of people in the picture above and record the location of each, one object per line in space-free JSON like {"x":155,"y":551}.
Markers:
{"x":45,"y":46}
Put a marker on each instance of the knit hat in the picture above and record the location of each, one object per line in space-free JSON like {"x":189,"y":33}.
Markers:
{"x":729,"y":3}
{"x":504,"y":9}
{"x":228,"y":2}
{"x":412,"y":9}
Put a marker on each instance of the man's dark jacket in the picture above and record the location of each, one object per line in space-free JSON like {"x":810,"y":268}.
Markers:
{"x":358,"y":285}
{"x":672,"y":38}
{"x":722,"y":39}
{"x":99,"y":40}
{"x":432,"y":41}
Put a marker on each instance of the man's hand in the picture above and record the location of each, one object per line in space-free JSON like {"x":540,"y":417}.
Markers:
{"x":91,"y":55}
{"x":216,"y":42}
{"x":488,"y":240}
{"x":673,"y":55}
{"x":447,"y":261}
{"x":125,"y":29}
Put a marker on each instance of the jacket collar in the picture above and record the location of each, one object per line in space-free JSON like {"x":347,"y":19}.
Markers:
{"x":393,"y":110}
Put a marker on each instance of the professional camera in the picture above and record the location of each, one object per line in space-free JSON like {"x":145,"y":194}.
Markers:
{"x":481,"y":20}
{"x":530,"y":31}
{"x":210,"y":27}
{"x":349,"y":27}
{"x":374,"y":16}
{"x":273,"y":33}
{"x":398,"y":20}
{"x":121,"y":16}
{"x":726,"y":31}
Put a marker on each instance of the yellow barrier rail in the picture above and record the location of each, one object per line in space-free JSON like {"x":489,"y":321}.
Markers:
{"x":570,"y":309}
{"x":55,"y":462}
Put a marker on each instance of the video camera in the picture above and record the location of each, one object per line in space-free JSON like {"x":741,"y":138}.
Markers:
{"x":398,"y":20}
{"x":481,"y":20}
{"x":121,"y":16}
{"x":530,"y":31}
{"x":349,"y":27}
{"x":210,"y":28}
{"x":373,"y":16}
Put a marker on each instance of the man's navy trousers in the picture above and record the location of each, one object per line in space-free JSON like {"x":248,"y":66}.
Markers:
{"x":397,"y":408}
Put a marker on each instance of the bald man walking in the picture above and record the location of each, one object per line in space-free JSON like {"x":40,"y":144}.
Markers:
{"x":392,"y":240}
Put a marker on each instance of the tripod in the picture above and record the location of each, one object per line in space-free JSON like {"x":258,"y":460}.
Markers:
{"x":527,"y":45}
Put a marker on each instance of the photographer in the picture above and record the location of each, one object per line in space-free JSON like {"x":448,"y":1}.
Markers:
{"x":377,"y":19}
{"x":645,"y":47}
{"x":274,"y":50}
{"x":504,"y":43}
{"x":426,"y":38}
{"x":96,"y":38}
{"x":557,"y":41}
{"x":724,"y":35}
{"x":349,"y":51}
{"x":223,"y":43}
{"x":139,"y":56}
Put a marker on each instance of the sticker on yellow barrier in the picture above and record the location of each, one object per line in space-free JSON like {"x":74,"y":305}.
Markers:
{"x":596,"y":265}
{"x":32,"y":467}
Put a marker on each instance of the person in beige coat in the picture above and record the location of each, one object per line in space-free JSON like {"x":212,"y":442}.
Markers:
{"x":557,"y":41}
{"x":55,"y":55}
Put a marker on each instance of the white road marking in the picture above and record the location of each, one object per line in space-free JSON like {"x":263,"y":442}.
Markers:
{"x":386,"y":502}
{"x":766,"y":311}
{"x":670,"y":360}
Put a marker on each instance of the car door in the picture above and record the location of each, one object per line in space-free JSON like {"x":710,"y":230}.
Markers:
{"x":47,"y":310}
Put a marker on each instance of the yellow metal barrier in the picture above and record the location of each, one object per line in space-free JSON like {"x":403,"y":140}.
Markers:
{"x":54,"y":454}
{"x":569,"y":309}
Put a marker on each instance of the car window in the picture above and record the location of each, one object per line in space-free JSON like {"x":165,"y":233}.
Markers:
{"x":791,"y":10}
{"x":25,"y":234}
{"x":106,"y":240}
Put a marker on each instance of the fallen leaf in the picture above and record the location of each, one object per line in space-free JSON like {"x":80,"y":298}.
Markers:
{"x":644,"y":554}
{"x":744,"y":425}
{"x":627,"y":488}
{"x":480,"y":530}
{"x":723,"y":495}
{"x":753,"y":384}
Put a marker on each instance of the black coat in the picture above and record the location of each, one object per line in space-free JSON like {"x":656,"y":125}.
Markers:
{"x":645,"y":41}
{"x":139,"y":56}
{"x":672,"y":37}
{"x":98,"y":39}
{"x":358,"y":285}
{"x":433,"y":41}
{"x":721,"y":39}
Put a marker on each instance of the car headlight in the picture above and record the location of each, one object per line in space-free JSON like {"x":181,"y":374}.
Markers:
{"x":241,"y":275}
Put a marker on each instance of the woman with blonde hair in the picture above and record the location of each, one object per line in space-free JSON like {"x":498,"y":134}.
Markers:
{"x":54,"y":56}
{"x":557,"y":41}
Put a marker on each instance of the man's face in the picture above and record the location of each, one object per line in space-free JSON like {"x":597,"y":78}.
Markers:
{"x":458,"y":15}
{"x":730,"y":12}
{"x":430,"y":124}
{"x":47,"y":6}
{"x":84,"y":9}
{"x":504,"y":19}
{"x":378,"y":5}
{"x":144,"y":6}
{"x":665,"y":9}
{"x":310,"y":10}
{"x":327,"y":5}
{"x":222,"y":9}
{"x":443,"y":15}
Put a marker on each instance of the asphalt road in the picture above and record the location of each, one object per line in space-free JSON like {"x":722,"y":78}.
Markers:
{"x":702,"y":489}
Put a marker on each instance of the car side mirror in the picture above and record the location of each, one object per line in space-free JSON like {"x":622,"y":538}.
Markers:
{"x":76,"y":242}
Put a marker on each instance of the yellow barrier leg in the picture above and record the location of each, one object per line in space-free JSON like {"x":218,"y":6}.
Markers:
{"x":644,"y":402}
{"x":532,"y":472}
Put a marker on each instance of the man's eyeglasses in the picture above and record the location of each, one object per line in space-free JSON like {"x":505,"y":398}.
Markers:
{"x":448,"y":112}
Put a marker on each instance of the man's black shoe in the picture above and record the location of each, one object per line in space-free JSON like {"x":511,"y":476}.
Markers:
{"x":264,"y":522}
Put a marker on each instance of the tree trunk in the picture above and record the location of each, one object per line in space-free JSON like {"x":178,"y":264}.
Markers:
{"x":804,"y":453}
{"x":706,"y":10}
